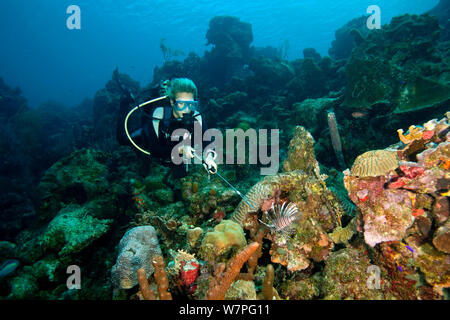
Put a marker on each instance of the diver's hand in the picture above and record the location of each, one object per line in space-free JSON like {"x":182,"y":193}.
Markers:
{"x":210,"y":165}
{"x":186,"y":151}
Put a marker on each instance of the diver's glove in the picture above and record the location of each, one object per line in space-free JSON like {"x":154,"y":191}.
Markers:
{"x":209,"y":163}
{"x":186,"y":151}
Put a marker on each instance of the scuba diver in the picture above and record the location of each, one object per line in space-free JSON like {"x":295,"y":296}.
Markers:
{"x":176,"y":108}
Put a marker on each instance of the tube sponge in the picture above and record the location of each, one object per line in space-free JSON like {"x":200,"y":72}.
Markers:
{"x":336,"y":139}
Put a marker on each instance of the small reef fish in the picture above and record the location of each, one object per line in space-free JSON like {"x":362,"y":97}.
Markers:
{"x":358,"y":114}
{"x":8,"y":267}
{"x":445,"y":193}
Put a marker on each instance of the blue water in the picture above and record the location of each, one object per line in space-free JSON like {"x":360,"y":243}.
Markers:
{"x":50,"y":62}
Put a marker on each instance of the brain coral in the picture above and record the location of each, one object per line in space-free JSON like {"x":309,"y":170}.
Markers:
{"x":226,"y":235}
{"x":374,"y":163}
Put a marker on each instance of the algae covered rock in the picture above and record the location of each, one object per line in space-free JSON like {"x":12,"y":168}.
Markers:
{"x":7,"y":250}
{"x":345,"y":276}
{"x":343,"y":235}
{"x":387,"y":213}
{"x":435,"y":265}
{"x":301,"y":153}
{"x":303,"y":289}
{"x":308,"y":243}
{"x":310,"y":113}
{"x":441,"y":239}
{"x":342,"y":47}
{"x":423,"y":93}
{"x":77,"y":178}
{"x":241,"y":290}
{"x":24,"y":286}
{"x":400,"y":67}
{"x":72,"y":230}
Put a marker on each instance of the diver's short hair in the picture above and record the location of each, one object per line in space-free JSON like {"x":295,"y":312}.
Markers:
{"x":181,"y":85}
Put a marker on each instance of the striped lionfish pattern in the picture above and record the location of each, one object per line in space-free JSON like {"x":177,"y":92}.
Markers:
{"x":263,"y":190}
{"x":282,"y":217}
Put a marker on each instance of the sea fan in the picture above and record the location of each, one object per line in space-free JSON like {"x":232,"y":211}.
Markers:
{"x":282,"y":217}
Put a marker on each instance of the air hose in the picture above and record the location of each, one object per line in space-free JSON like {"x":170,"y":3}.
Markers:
{"x":129,"y":114}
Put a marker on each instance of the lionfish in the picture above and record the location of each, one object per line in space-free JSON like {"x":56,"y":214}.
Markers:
{"x":282,"y":217}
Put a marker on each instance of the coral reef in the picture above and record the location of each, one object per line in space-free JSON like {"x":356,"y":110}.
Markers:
{"x":397,"y":205}
{"x":301,"y":153}
{"x":442,"y":12}
{"x":345,"y":275}
{"x":11,"y":100}
{"x":231,"y":39}
{"x":72,"y":230}
{"x":308,"y":232}
{"x":347,"y":38}
{"x":81,"y":177}
{"x":320,"y":209}
{"x":386,"y":69}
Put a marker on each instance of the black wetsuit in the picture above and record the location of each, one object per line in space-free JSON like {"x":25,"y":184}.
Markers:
{"x":160,"y":146}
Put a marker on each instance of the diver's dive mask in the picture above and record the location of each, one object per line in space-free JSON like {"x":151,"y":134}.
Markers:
{"x":182,"y":105}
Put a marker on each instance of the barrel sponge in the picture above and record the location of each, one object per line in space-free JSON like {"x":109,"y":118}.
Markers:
{"x":136,"y":249}
{"x":226,"y":235}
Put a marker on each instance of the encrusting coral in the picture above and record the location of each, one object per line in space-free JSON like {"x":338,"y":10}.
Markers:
{"x":405,"y":212}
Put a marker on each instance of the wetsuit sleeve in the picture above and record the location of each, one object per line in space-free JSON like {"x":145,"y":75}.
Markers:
{"x":157,"y":146}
